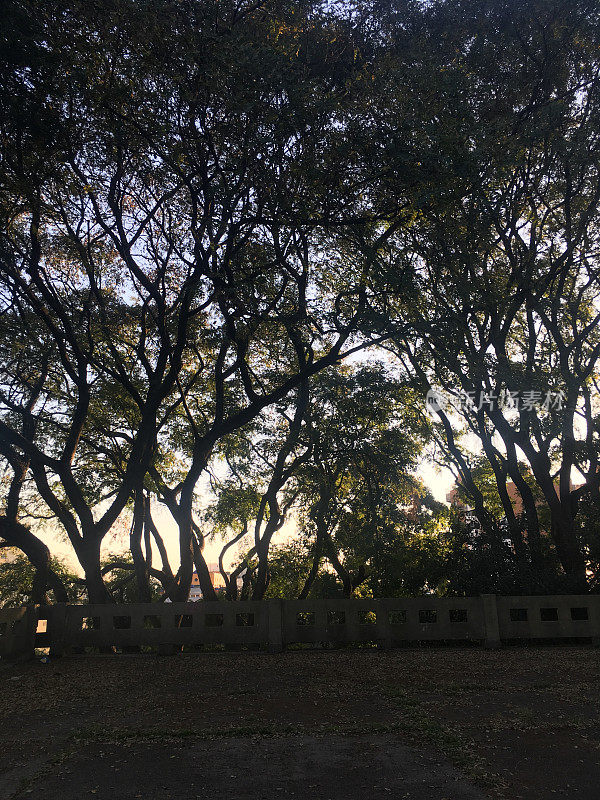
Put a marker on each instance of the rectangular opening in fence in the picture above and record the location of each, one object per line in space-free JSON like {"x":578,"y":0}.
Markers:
{"x":579,"y":614}
{"x":518,"y":615}
{"x":90,"y":624}
{"x":458,"y":615}
{"x":367,"y":617}
{"x":121,"y":623}
{"x":244,"y":620}
{"x":183,"y":620}
{"x":427,"y":616}
{"x":3,"y":626}
{"x":549,"y":614}
{"x":152,"y":621}
{"x":213,"y":620}
{"x":336,"y":617}
{"x":397,"y":617}
{"x":305,"y":618}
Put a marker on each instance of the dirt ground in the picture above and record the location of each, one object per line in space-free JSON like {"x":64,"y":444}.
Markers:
{"x":419,"y":724}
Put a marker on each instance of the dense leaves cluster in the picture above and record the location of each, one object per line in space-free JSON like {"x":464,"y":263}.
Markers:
{"x":240,"y":241}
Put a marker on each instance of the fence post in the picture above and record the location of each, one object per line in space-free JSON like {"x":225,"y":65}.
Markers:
{"x":22,"y":643}
{"x":57,"y":629}
{"x":275,"y":625}
{"x":593,"y":602}
{"x":490,"y":621}
{"x":384,"y":633}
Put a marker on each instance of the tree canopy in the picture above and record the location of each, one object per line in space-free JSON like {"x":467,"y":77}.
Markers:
{"x":241,"y":241}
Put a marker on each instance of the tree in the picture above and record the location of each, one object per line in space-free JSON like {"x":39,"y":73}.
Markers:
{"x":12,"y":530}
{"x":19,"y":575}
{"x":496,"y":275}
{"x":167,"y":230}
{"x":201,"y":216}
{"x":366,"y":434}
{"x":289,"y":565}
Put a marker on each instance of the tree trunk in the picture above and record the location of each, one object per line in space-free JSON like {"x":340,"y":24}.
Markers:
{"x":208,"y":590}
{"x":314,"y":571}
{"x":569,"y":552}
{"x":262,"y":551}
{"x":534,"y":541}
{"x":18,"y":535}
{"x":88,"y":553}
{"x":135,"y":545}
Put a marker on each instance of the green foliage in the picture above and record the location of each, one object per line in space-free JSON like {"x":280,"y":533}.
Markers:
{"x":16,"y":580}
{"x":120,"y":579}
{"x":485,"y":562}
{"x":588,"y":519}
{"x":234,"y":506}
{"x":289,"y":565}
{"x":198,"y":212}
{"x":398,"y":537}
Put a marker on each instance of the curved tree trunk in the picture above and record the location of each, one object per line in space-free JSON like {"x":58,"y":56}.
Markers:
{"x":135,"y":545}
{"x":88,"y":553}
{"x":37,"y":552}
{"x":312,"y":575}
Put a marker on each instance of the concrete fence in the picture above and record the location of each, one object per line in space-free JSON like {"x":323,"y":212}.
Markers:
{"x":488,"y":620}
{"x":18,"y":632}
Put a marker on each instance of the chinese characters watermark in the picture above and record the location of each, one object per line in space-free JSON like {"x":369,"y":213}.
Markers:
{"x":528,"y":400}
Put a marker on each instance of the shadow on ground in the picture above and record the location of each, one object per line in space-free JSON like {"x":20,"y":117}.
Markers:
{"x":440,"y":724}
{"x":335,"y":768}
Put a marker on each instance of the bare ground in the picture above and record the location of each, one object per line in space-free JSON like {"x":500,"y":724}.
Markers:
{"x":420,"y":724}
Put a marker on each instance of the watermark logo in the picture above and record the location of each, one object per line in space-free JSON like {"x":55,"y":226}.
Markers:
{"x":527,"y":400}
{"x":435,"y":400}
